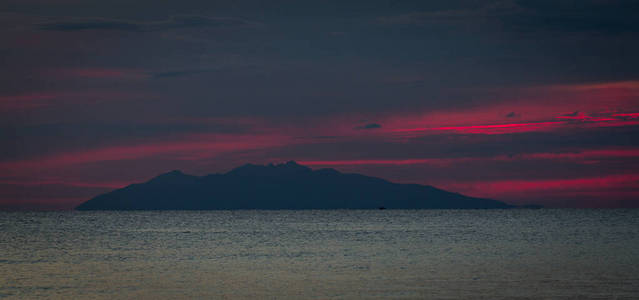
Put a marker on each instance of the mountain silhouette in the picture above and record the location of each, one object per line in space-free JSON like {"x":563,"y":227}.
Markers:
{"x":280,"y":186}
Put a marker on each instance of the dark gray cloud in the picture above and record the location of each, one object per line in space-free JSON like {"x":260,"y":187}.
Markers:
{"x":369,"y":126}
{"x":512,"y":114}
{"x":180,"y":73}
{"x":610,"y":17}
{"x":604,"y":17}
{"x":572,"y":114}
{"x":33,"y":140}
{"x":90,"y":24}
{"x":174,"y":22}
{"x":472,"y":13}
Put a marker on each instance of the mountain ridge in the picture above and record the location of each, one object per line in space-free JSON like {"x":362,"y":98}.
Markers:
{"x":280,"y":186}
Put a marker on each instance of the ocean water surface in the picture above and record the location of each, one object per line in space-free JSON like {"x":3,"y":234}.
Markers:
{"x":412,"y":254}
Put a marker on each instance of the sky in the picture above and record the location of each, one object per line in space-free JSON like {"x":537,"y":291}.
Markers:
{"x":520,"y":101}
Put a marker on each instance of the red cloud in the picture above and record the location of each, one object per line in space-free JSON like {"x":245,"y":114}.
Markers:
{"x":196,"y":147}
{"x":604,"y":188}
{"x":489,"y":129}
{"x":437,"y":161}
{"x":583,"y":155}
{"x":538,"y":108}
{"x":104,"y":73}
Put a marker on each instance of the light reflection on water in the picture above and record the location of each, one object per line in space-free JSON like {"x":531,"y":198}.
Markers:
{"x":440,"y":254}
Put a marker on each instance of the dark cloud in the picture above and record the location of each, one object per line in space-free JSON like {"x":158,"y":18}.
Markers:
{"x":490,"y":10}
{"x":610,"y":17}
{"x":369,"y":126}
{"x":512,"y":114}
{"x":174,"y":22}
{"x":572,"y":114}
{"x":180,"y":73}
{"x":604,"y":17}
{"x":34,"y":140}
{"x":90,"y":24}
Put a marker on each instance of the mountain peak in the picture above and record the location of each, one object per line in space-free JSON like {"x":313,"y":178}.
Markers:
{"x":174,"y":173}
{"x":287,"y":168}
{"x":292,"y":165}
{"x":171,"y":176}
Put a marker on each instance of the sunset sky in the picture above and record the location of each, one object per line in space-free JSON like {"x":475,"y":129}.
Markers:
{"x":521,"y":101}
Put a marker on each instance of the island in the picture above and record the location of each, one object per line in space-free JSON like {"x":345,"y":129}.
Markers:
{"x":280,"y":186}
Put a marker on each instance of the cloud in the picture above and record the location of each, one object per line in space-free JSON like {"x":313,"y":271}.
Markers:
{"x":572,"y":114}
{"x":512,"y":115}
{"x":493,"y":10}
{"x":369,"y":126}
{"x":98,"y":73}
{"x":558,"y":192}
{"x":174,"y":22}
{"x":53,"y":137}
{"x":59,"y":98}
{"x":180,"y":73}
{"x":627,"y":115}
{"x":489,"y":129}
{"x":197,"y":147}
{"x":434,"y":161}
{"x":609,"y":17}
{"x":98,"y":24}
{"x":566,"y":122}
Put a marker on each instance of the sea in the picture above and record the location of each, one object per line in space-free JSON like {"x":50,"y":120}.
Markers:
{"x":321,"y":254}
